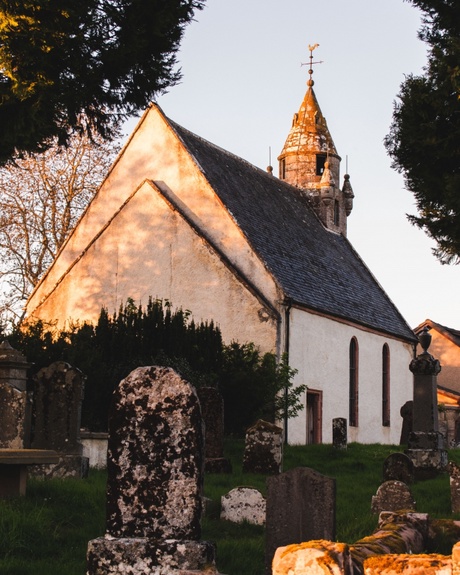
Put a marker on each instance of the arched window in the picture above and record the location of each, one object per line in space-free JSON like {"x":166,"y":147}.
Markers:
{"x":353,"y":394}
{"x":386,"y":386}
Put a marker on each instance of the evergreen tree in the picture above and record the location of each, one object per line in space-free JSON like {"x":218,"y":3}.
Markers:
{"x":424,"y":138}
{"x":100,"y":58}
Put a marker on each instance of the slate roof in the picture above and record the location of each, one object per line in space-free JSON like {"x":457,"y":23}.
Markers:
{"x":316,"y":268}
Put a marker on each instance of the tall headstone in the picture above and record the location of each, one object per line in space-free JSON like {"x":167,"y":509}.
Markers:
{"x":14,"y":406}
{"x":300,"y":507}
{"x":339,"y":433}
{"x":155,"y":474}
{"x":58,"y":395}
{"x":426,"y":444}
{"x":263,"y":451}
{"x":212,"y":410}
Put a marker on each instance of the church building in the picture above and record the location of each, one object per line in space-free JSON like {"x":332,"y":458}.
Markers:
{"x":265,"y":257}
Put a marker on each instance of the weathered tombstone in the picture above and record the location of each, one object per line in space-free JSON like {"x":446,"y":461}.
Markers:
{"x":406,"y":412}
{"x":339,"y":433}
{"x":244,"y":504}
{"x":14,"y":407}
{"x":263,"y":451}
{"x":58,"y":395}
{"x":399,"y":467}
{"x":212,"y":410}
{"x":300,"y":507}
{"x":392,"y":496}
{"x":426,"y":443}
{"x":454,"y":473}
{"x":155,"y":474}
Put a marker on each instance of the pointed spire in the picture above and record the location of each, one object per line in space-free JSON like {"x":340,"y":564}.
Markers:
{"x":309,"y":141}
{"x":310,"y":162}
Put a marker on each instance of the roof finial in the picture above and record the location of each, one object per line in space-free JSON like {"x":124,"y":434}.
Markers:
{"x":310,"y":71}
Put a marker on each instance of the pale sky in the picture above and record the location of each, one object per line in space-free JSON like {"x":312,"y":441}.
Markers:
{"x":243,"y":81}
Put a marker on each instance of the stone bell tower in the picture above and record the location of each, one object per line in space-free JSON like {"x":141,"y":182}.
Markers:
{"x":309,"y":161}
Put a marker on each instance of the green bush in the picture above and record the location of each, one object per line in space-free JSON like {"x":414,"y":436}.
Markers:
{"x":253,"y":385}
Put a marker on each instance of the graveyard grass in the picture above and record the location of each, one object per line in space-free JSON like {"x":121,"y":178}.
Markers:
{"x":46,"y":532}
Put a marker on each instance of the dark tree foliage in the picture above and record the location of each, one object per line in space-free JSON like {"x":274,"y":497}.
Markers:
{"x":424,"y":138}
{"x":110,"y":350}
{"x":61,"y":60}
{"x":158,"y":335}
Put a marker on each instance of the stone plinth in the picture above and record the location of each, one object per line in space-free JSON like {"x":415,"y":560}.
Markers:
{"x":145,"y":556}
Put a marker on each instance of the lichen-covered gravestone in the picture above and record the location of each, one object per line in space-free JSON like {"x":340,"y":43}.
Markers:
{"x":392,"y":495}
{"x":263,"y":451}
{"x":244,"y":504}
{"x":155,"y":473}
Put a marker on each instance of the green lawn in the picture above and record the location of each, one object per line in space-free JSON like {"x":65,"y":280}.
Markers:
{"x":46,"y":532}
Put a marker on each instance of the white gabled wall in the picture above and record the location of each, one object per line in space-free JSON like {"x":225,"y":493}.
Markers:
{"x":153,"y":153}
{"x":319,"y":350}
{"x":173,"y":263}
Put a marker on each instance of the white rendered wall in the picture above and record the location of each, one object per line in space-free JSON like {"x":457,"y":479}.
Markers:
{"x":320,"y":352}
{"x":173,"y":263}
{"x":153,"y":153}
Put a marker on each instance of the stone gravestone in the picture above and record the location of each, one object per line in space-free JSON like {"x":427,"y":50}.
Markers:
{"x":14,"y":406}
{"x":56,"y":416}
{"x":406,"y":412}
{"x":263,"y":451}
{"x":300,"y":507}
{"x":392,"y":496}
{"x":426,"y":444}
{"x":212,"y":410}
{"x":155,"y":474}
{"x":339,"y":433}
{"x":454,"y":473}
{"x":243,"y":504}
{"x":399,"y":467}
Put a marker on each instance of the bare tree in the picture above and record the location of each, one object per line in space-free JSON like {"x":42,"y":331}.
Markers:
{"x":41,"y":199}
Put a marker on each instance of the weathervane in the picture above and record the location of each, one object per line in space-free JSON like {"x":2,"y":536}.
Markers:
{"x":311,"y":63}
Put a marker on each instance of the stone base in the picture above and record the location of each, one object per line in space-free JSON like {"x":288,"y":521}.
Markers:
{"x":142,"y":556}
{"x":217,"y":465}
{"x":428,"y":462}
{"x":68,"y":466}
{"x":426,"y":440}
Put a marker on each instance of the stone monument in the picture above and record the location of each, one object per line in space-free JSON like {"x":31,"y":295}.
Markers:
{"x":14,"y":405}
{"x":154,"y":486}
{"x":58,"y":395}
{"x":426,"y":446}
